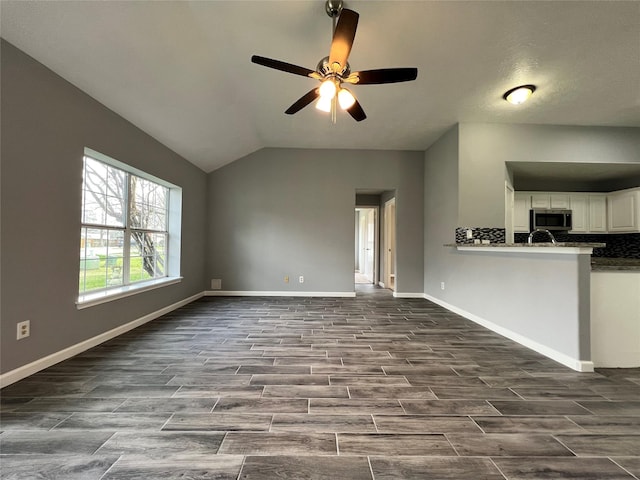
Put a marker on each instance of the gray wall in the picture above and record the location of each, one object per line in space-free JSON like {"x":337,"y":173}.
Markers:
{"x":505,"y":289}
{"x":441,"y":208}
{"x":542,"y":297}
{"x":280,"y":212}
{"x":46,"y":123}
{"x":484,"y":149}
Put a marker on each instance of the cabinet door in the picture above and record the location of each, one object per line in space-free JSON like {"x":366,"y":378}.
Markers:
{"x":540,"y":200}
{"x":579,"y":213}
{"x":559,"y":201}
{"x":521,"y":207}
{"x":623,"y":215}
{"x":597,"y":213}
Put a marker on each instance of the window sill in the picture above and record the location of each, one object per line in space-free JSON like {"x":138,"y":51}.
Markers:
{"x":92,"y":299}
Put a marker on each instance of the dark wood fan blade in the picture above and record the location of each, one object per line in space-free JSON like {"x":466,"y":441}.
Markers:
{"x":386,"y":75}
{"x":357,"y":112}
{"x":283,"y":66}
{"x":303,"y":101}
{"x":343,"y":38}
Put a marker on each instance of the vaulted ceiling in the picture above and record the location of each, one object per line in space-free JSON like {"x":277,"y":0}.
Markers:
{"x":181,"y":70}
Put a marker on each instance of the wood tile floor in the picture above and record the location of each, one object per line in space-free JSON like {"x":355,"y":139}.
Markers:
{"x":310,"y":388}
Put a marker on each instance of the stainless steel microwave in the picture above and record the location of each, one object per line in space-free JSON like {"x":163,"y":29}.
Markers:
{"x":554,"y":219}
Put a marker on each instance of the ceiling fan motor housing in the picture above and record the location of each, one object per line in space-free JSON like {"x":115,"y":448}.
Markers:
{"x":325,"y":69}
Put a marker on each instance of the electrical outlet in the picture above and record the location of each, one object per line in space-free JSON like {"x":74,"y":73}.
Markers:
{"x":23,"y":330}
{"x":469,"y":234}
{"x":301,"y":279}
{"x":441,"y":285}
{"x":286,"y":279}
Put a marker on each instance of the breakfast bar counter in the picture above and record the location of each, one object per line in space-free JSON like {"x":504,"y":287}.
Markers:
{"x":546,"y":247}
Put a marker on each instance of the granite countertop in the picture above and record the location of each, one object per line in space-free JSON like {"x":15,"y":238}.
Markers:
{"x":602,"y":264}
{"x":520,"y":245}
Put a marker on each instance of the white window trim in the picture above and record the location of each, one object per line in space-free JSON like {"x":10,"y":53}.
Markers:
{"x":90,"y":299}
{"x":104,"y":296}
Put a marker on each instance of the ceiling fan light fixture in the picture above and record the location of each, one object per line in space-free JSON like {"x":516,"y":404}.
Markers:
{"x":345,"y":99}
{"x":328,"y":89}
{"x":519,"y":95}
{"x":324,"y":104}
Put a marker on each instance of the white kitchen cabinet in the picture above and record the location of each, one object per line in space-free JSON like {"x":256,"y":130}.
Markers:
{"x":558,"y":200}
{"x":521,"y":207}
{"x":540,"y":200}
{"x":549,"y":200}
{"x":579,"y":205}
{"x":588,"y":212}
{"x":623,"y":215}
{"x":598,"y":213}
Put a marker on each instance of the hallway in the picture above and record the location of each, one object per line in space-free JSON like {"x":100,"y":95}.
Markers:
{"x":372,"y":387}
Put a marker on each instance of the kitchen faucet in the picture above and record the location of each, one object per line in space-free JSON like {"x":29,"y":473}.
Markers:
{"x":530,"y":240}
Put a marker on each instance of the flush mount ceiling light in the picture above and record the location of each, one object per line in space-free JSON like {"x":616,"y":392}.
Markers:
{"x":520,"y":94}
{"x":334,"y":71}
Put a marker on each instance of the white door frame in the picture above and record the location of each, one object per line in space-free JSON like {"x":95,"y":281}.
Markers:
{"x":390,"y":278}
{"x":509,"y":207}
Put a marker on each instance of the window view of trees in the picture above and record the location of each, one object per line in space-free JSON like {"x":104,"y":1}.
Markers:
{"x":124,"y":228}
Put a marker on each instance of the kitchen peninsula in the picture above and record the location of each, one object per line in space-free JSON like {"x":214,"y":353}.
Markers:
{"x":535,"y":294}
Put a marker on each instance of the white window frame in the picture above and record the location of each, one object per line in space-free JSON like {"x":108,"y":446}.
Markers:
{"x":174,"y":229}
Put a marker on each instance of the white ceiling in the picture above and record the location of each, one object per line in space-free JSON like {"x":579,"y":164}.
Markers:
{"x":181,"y":70}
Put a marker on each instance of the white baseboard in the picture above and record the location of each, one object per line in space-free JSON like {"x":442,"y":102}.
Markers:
{"x":256,"y":293}
{"x":29,"y":369}
{"x":408,"y":295}
{"x":573,"y":363}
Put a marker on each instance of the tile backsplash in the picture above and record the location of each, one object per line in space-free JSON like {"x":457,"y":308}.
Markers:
{"x":619,"y":245}
{"x":494,"y":235}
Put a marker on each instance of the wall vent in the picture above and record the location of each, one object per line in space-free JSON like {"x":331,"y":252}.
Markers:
{"x":216,"y":284}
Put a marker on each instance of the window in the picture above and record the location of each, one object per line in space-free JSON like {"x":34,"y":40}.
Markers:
{"x":128,"y":227}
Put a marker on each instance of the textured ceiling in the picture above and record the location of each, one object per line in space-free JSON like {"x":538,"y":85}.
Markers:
{"x":181,"y":70}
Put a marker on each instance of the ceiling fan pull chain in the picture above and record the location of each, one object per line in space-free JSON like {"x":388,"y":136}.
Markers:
{"x":334,"y":109}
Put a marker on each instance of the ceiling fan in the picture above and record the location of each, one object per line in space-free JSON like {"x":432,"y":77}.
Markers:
{"x":333,"y":71}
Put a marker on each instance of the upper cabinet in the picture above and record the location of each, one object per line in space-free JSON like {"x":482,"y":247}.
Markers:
{"x":591,"y":212}
{"x":579,"y":205}
{"x":588,"y":212}
{"x":549,"y":200}
{"x":521,"y":207}
{"x":623,"y":215}
{"x":598,"y":213}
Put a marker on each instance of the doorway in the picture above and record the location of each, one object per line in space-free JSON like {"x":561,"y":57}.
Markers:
{"x":366,"y":245}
